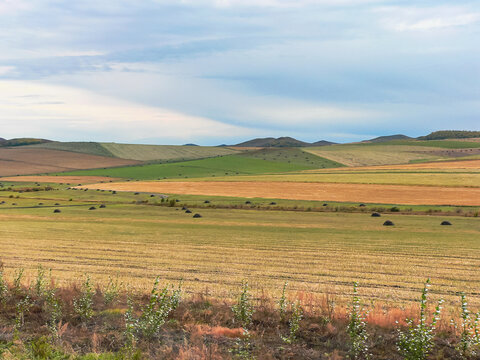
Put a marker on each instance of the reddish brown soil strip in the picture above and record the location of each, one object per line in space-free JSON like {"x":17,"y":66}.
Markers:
{"x":26,"y":161}
{"x":59,"y":179}
{"x":370,"y":193}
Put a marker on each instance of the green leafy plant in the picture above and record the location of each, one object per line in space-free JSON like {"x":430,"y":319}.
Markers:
{"x":83,"y":305}
{"x":243,"y":310}
{"x":283,"y":302}
{"x":3,"y":287}
{"x":416,"y":342}
{"x":357,"y":328}
{"x":22,"y":307}
{"x":17,"y":281}
{"x":294,"y":322}
{"x":468,"y":345}
{"x":111,"y":291}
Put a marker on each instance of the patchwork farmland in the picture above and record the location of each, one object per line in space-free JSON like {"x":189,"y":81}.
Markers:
{"x":269,"y":216}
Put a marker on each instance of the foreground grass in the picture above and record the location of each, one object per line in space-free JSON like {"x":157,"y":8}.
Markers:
{"x":40,"y":320}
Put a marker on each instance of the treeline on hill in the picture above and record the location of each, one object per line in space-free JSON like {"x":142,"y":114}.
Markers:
{"x":21,"y":141}
{"x":43,"y":321}
{"x":450,"y":134}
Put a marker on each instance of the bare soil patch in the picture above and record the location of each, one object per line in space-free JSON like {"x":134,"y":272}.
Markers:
{"x":25,"y":161}
{"x":59,"y":179}
{"x":382,"y":194}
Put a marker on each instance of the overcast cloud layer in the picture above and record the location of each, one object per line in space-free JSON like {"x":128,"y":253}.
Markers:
{"x":223,"y":71}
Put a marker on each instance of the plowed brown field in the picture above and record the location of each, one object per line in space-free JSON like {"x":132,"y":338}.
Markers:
{"x":59,"y":179}
{"x":383,"y":194}
{"x":24,"y":161}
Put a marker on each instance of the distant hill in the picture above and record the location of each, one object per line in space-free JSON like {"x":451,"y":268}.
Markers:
{"x":450,"y":134}
{"x":22,"y":141}
{"x":389,"y":138}
{"x":285,"y":141}
{"x":190,"y":145}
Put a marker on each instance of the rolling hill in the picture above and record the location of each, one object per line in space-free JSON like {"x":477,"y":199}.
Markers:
{"x":285,"y":141}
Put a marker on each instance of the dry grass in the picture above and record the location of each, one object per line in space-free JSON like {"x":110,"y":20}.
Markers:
{"x":24,"y":161}
{"x":380,"y":194}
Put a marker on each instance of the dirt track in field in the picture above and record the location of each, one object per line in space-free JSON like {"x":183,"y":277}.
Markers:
{"x":382,"y":194}
{"x":59,"y":179}
{"x":25,"y":161}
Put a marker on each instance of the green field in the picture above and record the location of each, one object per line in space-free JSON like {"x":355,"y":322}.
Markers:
{"x":212,"y":167}
{"x":315,"y":251}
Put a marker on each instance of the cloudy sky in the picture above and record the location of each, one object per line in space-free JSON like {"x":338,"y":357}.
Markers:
{"x":223,"y":71}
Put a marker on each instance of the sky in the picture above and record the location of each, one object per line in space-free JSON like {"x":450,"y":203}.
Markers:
{"x":224,"y":71}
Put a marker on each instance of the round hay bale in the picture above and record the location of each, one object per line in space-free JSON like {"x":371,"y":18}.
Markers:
{"x":375,"y":214}
{"x":152,"y":195}
{"x":446,"y":223}
{"x":325,"y":204}
{"x":92,"y":208}
{"x":362,"y":205}
{"x":188,"y":211}
{"x":388,"y":223}
{"x":103,"y":206}
{"x":136,"y":193}
{"x":248,"y":202}
{"x":197,"y":216}
{"x":273,"y":203}
{"x":14,"y":203}
{"x":206,"y":202}
{"x":56,"y":204}
{"x":114,"y":192}
{"x":40,"y":203}
{"x":56,"y":211}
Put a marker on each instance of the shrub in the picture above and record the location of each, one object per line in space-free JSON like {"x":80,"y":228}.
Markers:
{"x":417,"y":341}
{"x":243,"y":310}
{"x":83,"y":305}
{"x":111,"y":291}
{"x":470,"y":336}
{"x":357,"y":328}
{"x":283,"y":302}
{"x":294,"y":323}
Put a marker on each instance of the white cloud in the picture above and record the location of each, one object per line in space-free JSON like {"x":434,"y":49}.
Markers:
{"x":426,"y":18}
{"x":46,"y":110}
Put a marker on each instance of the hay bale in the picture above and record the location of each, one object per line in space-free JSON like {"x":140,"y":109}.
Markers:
{"x":375,"y":214}
{"x":362,"y":205}
{"x":325,"y":204}
{"x":56,"y":204}
{"x":103,"y":206}
{"x":248,"y":202}
{"x":188,"y":211}
{"x":388,"y":223}
{"x":184,"y":208}
{"x":197,"y":216}
{"x":114,"y":192}
{"x":273,"y":203}
{"x":40,"y":203}
{"x":152,"y":195}
{"x":206,"y":202}
{"x":92,"y":208}
{"x":446,"y":223}
{"x":56,"y":211}
{"x":136,"y":193}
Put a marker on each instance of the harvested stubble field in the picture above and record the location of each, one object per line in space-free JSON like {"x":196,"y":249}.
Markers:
{"x":315,"y":252}
{"x":58,"y":179}
{"x":369,"y":193}
{"x":27,"y":160}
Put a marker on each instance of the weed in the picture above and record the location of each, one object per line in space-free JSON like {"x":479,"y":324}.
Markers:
{"x":417,"y":341}
{"x":111,"y":291}
{"x":83,"y":305}
{"x":17,"y":281}
{"x":243,"y":310}
{"x":294,"y":322}
{"x":357,"y":328}
{"x":283,"y":302}
{"x":21,"y":309}
{"x":470,"y":336}
{"x":3,"y":288}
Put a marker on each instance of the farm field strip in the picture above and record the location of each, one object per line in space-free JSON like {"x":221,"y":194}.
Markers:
{"x":453,"y":179}
{"x":218,"y":256}
{"x":369,"y":193}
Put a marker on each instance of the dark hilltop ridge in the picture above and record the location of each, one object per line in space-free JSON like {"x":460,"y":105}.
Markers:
{"x":21,"y":141}
{"x":451,"y":134}
{"x":389,"y":138}
{"x":285,"y":141}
